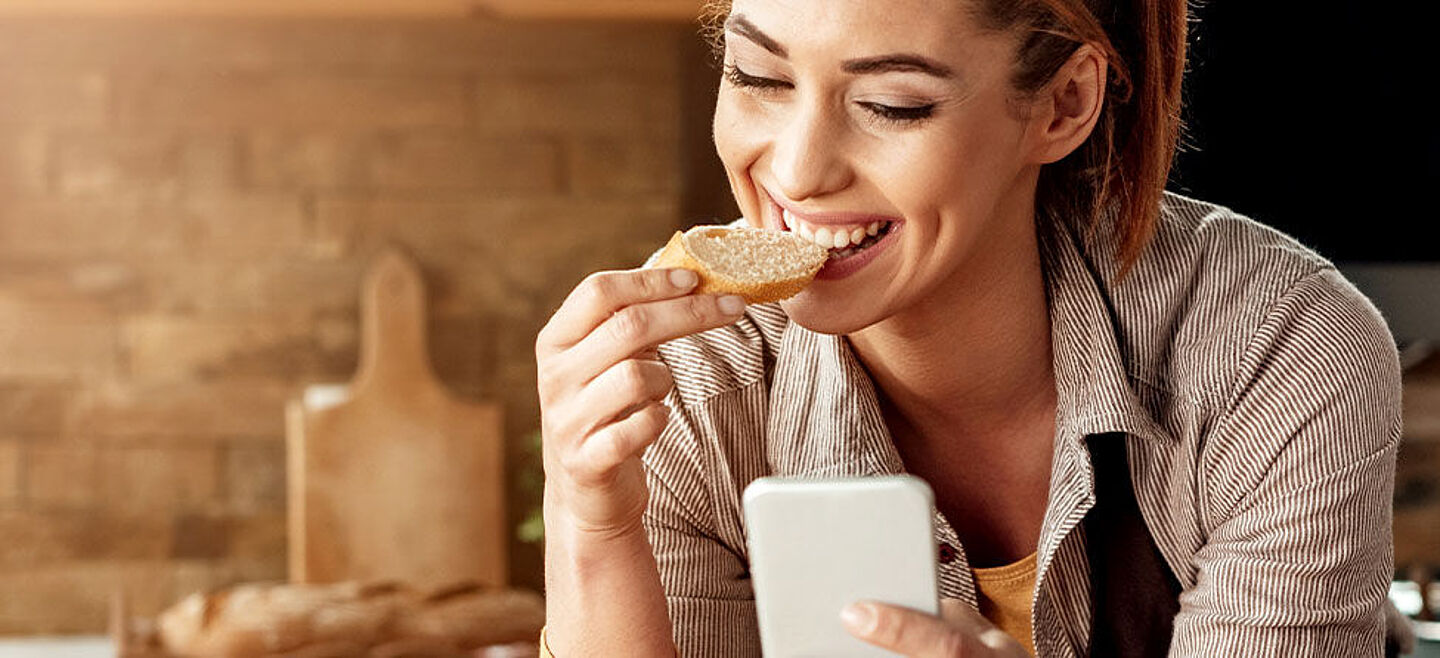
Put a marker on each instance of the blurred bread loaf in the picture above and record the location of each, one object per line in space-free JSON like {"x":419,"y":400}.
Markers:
{"x":348,"y":619}
{"x":759,"y":265}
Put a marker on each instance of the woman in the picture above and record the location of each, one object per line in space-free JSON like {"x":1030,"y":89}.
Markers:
{"x":1150,"y":424}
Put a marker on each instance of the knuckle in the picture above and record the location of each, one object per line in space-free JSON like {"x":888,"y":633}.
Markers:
{"x":629,"y":324}
{"x":613,"y":448}
{"x":651,"y":283}
{"x":596,"y":460}
{"x":658,"y":415}
{"x":632,"y":378}
{"x":546,"y":342}
{"x":546,"y":376}
{"x":700,"y":308}
{"x":600,"y":286}
{"x":569,"y":462}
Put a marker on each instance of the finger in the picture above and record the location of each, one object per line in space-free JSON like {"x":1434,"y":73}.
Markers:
{"x":905,"y":631}
{"x":623,"y":388}
{"x":968,"y":620}
{"x":601,"y":294}
{"x":960,"y":614}
{"x":601,"y":453}
{"x":643,"y":326}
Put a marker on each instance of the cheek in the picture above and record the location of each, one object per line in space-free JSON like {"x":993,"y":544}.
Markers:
{"x":961,"y":168}
{"x":926,"y":174}
{"x":738,"y":141}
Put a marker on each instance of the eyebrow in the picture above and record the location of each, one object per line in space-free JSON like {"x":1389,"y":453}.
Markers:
{"x":901,"y":62}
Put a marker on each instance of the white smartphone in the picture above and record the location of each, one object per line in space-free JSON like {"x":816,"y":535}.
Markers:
{"x":817,"y":545}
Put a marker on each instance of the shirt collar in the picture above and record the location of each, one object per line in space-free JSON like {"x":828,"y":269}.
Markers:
{"x":1094,"y":389}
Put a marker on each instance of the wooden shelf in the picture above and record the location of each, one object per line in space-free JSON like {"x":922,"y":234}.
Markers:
{"x":661,"y":10}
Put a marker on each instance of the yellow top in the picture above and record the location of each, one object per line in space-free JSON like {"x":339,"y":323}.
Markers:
{"x":1005,"y":594}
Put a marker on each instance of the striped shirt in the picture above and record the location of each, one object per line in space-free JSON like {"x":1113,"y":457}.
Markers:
{"x":1256,"y":390}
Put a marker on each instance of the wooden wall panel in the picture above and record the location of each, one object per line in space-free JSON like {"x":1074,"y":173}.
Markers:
{"x":669,"y":10}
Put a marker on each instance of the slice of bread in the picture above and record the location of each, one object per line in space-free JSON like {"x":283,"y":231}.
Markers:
{"x":759,"y":265}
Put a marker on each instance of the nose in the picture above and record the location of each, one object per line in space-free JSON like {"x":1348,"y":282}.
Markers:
{"x":807,"y":158}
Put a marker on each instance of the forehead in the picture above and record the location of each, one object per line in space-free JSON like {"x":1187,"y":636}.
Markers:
{"x":938,"y":28}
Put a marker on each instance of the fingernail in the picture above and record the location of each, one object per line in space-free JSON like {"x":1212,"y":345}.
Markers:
{"x":682,"y":278}
{"x":732,"y":304}
{"x":858,"y":617}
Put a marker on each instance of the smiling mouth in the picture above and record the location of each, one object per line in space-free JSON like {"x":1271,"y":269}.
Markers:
{"x":843,"y":240}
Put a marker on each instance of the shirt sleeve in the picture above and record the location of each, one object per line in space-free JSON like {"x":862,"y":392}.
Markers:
{"x":706,"y":578}
{"x":1297,"y":479}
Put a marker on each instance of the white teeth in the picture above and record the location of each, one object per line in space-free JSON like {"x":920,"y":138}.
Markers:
{"x":830,"y":237}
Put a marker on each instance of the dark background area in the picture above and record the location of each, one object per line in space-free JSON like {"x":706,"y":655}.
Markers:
{"x":1318,"y":120}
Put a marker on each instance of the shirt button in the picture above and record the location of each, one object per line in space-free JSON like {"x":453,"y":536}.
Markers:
{"x":947,"y":553}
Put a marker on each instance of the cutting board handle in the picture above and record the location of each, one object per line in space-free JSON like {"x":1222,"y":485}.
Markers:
{"x":394,"y":352}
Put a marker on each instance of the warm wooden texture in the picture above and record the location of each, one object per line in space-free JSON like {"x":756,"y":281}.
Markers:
{"x":680,"y":10}
{"x":676,"y":10}
{"x":398,"y":479}
{"x":187,"y":209}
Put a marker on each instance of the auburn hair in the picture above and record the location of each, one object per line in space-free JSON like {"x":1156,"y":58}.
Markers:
{"x":1123,"y":166}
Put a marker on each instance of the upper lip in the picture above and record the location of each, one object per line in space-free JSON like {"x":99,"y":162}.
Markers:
{"x":830,"y":218}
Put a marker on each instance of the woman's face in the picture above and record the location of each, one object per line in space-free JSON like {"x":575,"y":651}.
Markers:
{"x":884,"y":118}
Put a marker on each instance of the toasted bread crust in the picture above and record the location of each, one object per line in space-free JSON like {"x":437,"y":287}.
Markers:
{"x":676,"y":254}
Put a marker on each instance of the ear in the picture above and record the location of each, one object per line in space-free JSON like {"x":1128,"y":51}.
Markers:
{"x":1066,"y":110}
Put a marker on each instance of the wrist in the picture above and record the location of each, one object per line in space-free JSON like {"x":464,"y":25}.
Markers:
{"x":571,"y":541}
{"x":603,"y":591}
{"x":567,"y":527}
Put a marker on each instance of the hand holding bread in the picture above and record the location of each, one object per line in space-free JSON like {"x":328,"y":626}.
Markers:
{"x":600,"y":386}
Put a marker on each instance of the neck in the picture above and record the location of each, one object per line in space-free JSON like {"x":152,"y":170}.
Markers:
{"x":973,"y":360}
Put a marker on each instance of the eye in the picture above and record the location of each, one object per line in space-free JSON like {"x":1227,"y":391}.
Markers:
{"x":882,"y":113}
{"x":739,"y":78}
{"x":893,"y":114}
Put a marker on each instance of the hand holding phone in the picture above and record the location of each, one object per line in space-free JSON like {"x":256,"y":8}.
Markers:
{"x":818,"y":545}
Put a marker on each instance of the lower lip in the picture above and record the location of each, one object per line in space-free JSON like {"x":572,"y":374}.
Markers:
{"x":839,"y":269}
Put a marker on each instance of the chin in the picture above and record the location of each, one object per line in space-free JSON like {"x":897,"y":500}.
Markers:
{"x":808,"y":310}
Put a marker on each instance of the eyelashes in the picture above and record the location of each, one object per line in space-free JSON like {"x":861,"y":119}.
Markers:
{"x":880,"y":111}
{"x":739,"y":78}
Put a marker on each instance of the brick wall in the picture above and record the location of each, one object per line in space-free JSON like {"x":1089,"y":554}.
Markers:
{"x":185,"y":211}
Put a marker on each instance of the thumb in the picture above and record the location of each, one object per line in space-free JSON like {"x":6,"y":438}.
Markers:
{"x":902,"y":630}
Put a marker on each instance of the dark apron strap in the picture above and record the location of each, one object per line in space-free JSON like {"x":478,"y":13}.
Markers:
{"x":1134,"y":595}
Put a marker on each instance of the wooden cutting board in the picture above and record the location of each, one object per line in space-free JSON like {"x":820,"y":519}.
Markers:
{"x":392,"y":476}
